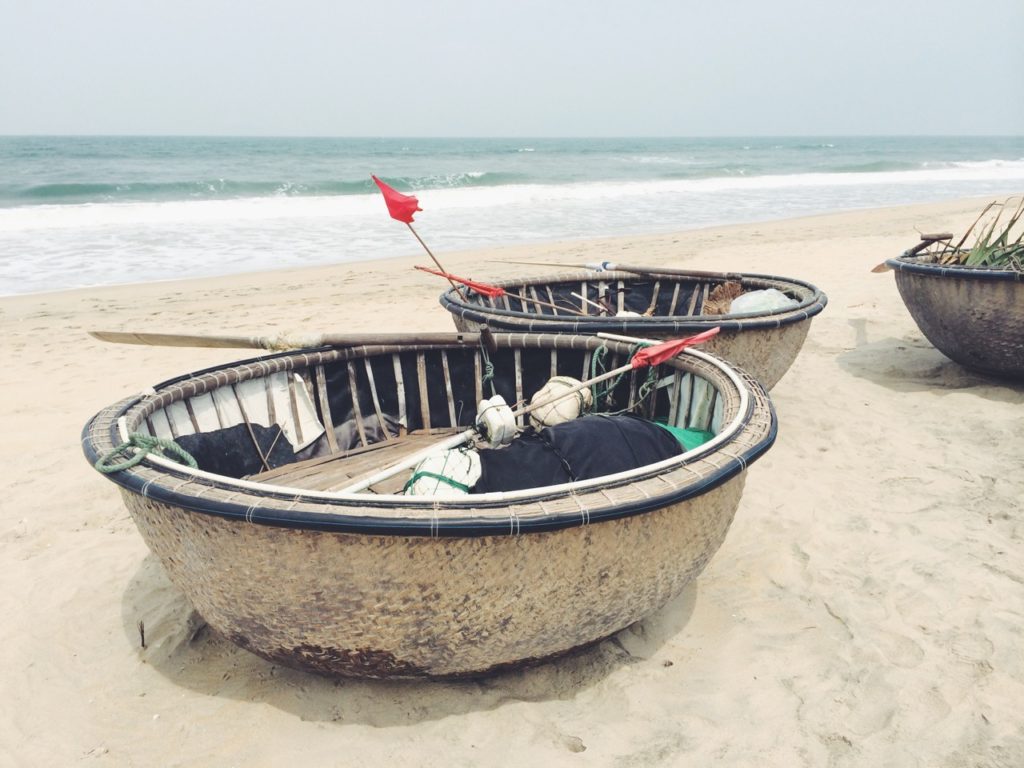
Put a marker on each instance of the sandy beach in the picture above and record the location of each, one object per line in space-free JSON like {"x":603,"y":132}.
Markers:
{"x":865,"y":609}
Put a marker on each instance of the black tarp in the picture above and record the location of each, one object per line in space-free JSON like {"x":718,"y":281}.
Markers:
{"x":232,"y":453}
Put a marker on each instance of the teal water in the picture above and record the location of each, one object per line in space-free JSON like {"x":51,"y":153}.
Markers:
{"x":55,"y":170}
{"x":78,"y":211}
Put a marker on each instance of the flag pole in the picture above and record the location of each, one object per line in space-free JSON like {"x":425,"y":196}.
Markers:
{"x":453,"y":284}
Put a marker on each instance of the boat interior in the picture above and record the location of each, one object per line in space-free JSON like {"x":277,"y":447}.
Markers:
{"x":321,"y":422}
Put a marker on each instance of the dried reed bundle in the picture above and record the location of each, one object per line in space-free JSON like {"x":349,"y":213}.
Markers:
{"x":995,"y":242}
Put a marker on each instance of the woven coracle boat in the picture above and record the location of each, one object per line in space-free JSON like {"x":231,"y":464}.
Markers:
{"x":292,"y":564}
{"x":669,"y":303}
{"x":973,"y":315}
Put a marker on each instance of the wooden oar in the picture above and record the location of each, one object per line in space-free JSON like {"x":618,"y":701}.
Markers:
{"x":608,"y":266}
{"x":926,"y":240}
{"x":280,"y":343}
{"x":649,"y":356}
{"x":593,"y":265}
{"x":637,"y":270}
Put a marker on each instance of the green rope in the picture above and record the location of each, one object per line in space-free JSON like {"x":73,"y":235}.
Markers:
{"x":604,"y":392}
{"x":418,"y":473}
{"x":145,"y":445}
{"x":597,"y":362}
{"x":435,"y":476}
{"x":649,"y":385}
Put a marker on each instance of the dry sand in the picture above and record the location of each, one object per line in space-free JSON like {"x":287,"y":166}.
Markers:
{"x":865,"y":609}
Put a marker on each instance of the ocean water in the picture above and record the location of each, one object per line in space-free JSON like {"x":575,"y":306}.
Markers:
{"x":82,"y":211}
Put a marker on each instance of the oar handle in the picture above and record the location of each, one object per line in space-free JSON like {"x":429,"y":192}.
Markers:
{"x":281,"y":343}
{"x":696,"y":273}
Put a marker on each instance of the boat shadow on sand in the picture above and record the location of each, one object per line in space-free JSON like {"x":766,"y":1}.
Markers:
{"x":181,"y":647}
{"x":914,"y":365}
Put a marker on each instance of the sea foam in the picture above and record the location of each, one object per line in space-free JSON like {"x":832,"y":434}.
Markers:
{"x":48,"y":247}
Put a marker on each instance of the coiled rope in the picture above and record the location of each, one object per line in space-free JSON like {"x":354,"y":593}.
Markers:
{"x":145,"y":444}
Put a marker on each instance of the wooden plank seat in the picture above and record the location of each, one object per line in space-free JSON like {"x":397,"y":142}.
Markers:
{"x":329,"y":473}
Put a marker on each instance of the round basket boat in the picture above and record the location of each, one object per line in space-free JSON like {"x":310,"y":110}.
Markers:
{"x":973,"y":315}
{"x":290,"y":563}
{"x":670,"y":304}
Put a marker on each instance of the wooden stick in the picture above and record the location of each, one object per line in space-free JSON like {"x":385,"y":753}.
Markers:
{"x":542,"y":303}
{"x":281,"y":343}
{"x":248,"y":426}
{"x":582,"y":298}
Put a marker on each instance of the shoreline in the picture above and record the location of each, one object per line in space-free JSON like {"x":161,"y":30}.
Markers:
{"x":856,"y":614}
{"x":464,"y":258}
{"x":542,"y":245}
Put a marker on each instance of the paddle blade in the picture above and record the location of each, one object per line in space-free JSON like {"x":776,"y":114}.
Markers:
{"x":179,"y":340}
{"x":659,"y":353}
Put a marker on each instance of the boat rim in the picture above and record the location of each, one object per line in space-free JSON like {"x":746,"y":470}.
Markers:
{"x":808,"y":307}
{"x":912,"y":265}
{"x":470,"y":525}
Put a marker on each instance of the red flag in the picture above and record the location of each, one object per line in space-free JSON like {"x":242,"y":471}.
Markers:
{"x":400,"y":206}
{"x":482,"y":288}
{"x":659,"y":353}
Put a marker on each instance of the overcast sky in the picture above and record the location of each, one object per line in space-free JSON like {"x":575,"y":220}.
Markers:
{"x":511,"y":68}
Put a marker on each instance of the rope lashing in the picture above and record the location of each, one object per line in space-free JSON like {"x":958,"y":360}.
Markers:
{"x":145,"y":444}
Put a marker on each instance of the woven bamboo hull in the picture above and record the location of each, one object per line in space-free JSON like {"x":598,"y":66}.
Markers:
{"x":764,"y":345}
{"x":299,"y":570}
{"x":974,"y":317}
{"x":379,"y":606}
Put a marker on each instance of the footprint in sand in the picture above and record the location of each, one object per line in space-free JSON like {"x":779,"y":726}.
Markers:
{"x":899,"y":649}
{"x":921,"y":709}
{"x":972,"y":647}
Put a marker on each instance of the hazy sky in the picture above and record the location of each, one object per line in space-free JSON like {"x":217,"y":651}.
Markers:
{"x":514,"y":68}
